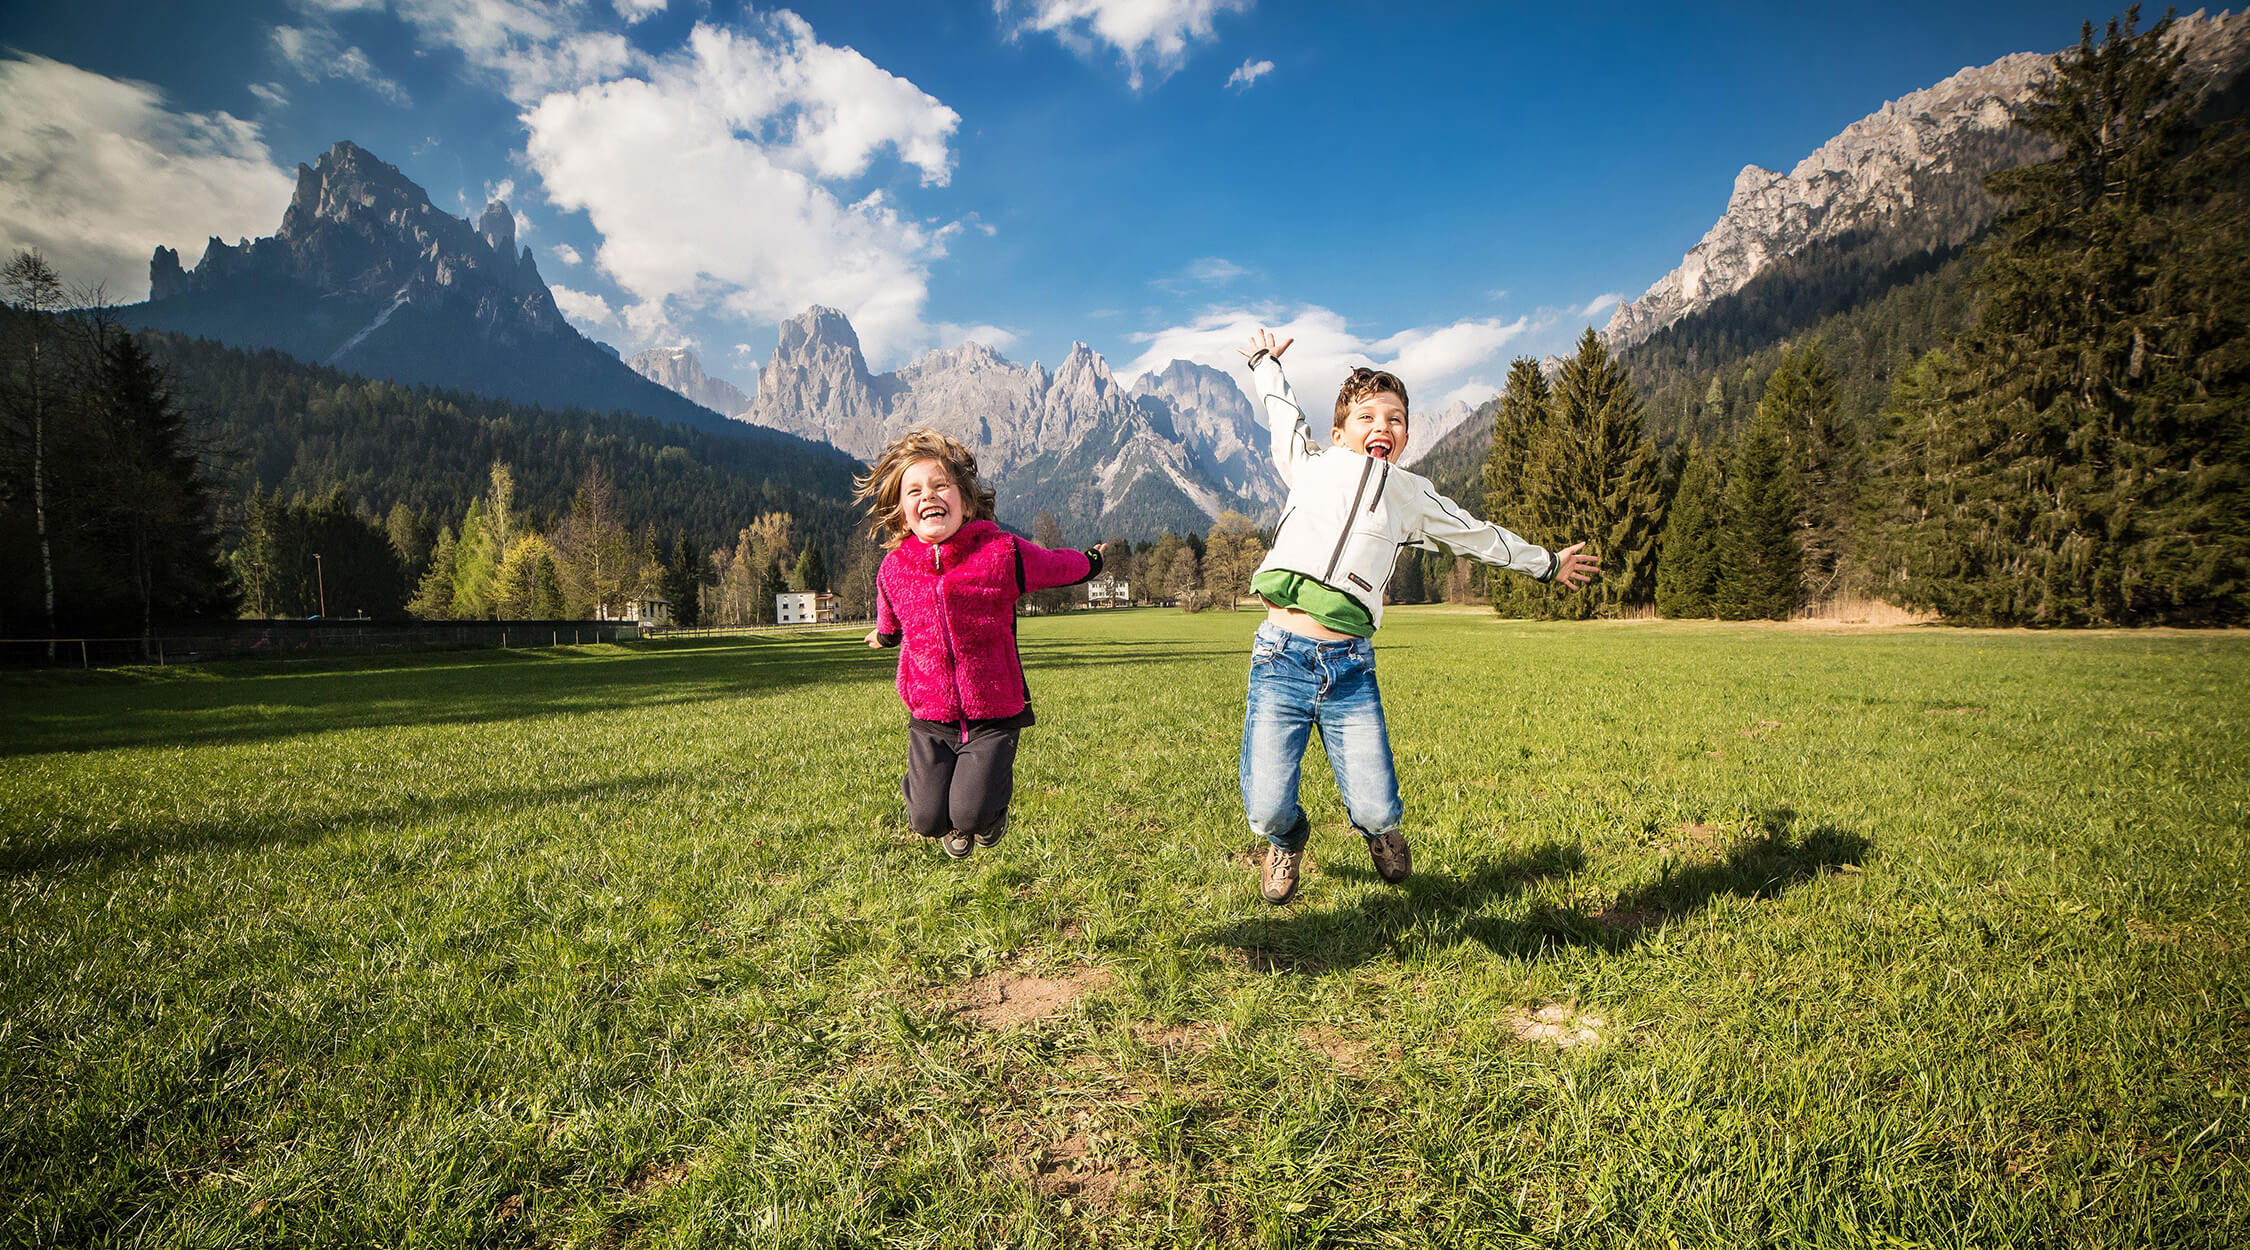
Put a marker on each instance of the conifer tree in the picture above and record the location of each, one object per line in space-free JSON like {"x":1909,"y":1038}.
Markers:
{"x":1824,"y":461}
{"x":153,"y":508}
{"x":433,"y":599}
{"x":1592,"y":476}
{"x":1687,"y":569}
{"x":2087,"y":463}
{"x":1524,"y":412}
{"x":1759,"y":567}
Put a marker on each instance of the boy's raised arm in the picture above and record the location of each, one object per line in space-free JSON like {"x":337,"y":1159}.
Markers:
{"x":1290,"y":435}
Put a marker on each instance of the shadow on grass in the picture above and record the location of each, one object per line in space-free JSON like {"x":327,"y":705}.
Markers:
{"x":1432,"y":912}
{"x":194,"y":836}
{"x":233,"y":703}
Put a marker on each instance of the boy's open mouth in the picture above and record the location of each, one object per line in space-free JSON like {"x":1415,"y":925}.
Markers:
{"x":1379,"y":447}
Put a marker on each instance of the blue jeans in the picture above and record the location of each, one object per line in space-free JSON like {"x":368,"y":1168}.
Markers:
{"x":1296,"y":683}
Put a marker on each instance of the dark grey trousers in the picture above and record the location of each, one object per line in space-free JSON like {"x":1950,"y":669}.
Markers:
{"x":951,"y":784}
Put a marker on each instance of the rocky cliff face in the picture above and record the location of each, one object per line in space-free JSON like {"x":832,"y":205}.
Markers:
{"x":357,"y":227}
{"x":365,"y":274}
{"x":1910,"y":174}
{"x":1174,"y":450}
{"x":677,"y":369}
{"x":1430,"y":430}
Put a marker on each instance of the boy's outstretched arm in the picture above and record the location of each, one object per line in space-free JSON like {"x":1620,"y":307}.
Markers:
{"x":1291,"y":436}
{"x":1450,"y":526}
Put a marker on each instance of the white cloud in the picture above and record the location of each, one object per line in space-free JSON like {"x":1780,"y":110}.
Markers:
{"x":1146,"y":34}
{"x":270,"y":94}
{"x":582,"y":307}
{"x":95,"y":172}
{"x":709,"y":178}
{"x":1247,"y":73}
{"x":504,"y":189}
{"x":951,"y":335}
{"x":1599,"y":305}
{"x":567,"y":254}
{"x":1439,"y":364}
{"x":1206,"y":271}
{"x":315,"y":53}
{"x":637,"y":11}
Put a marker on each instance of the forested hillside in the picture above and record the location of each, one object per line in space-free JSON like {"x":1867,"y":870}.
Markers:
{"x":298,"y":429}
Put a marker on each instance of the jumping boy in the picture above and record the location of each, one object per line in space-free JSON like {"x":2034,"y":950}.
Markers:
{"x":1349,"y":511}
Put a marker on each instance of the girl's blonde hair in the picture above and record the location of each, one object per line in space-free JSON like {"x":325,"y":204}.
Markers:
{"x":878,"y":488}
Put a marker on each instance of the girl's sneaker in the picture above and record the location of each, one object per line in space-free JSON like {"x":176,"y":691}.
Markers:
{"x":957,"y":844}
{"x":989,"y":838}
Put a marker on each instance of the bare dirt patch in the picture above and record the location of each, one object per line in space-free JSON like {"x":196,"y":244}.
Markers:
{"x":1630,"y":921}
{"x":1555,"y":1024}
{"x":1071,"y":1170}
{"x":650,"y":1177}
{"x":1174,"y":1039}
{"x":1349,"y":1054}
{"x":1005,"y":999}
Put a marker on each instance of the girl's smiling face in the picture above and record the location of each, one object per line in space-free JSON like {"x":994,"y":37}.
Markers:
{"x":931,"y":500}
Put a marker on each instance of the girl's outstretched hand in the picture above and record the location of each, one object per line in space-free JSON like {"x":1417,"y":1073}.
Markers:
{"x":1262,"y":341}
{"x":1574,"y":568}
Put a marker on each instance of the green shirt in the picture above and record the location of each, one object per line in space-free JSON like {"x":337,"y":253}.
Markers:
{"x":1318,"y":600}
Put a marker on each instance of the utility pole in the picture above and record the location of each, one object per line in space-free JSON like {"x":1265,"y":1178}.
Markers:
{"x":320,"y":577}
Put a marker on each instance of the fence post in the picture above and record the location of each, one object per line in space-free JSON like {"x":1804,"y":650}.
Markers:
{"x":83,"y":661}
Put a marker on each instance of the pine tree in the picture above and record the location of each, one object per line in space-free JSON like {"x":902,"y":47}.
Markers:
{"x":1824,"y":461}
{"x":682,"y":578}
{"x":1525,"y":412}
{"x":1760,"y":570}
{"x":2087,"y":464}
{"x":433,"y":599}
{"x":811,"y":573}
{"x":1687,"y":569}
{"x":1592,"y":477}
{"x":253,"y":558}
{"x":154,"y":505}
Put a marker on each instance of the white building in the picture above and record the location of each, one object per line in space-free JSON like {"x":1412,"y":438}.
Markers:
{"x":1108,"y":591}
{"x":804,"y":608}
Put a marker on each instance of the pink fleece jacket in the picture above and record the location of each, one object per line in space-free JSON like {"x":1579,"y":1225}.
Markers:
{"x":952,"y":609}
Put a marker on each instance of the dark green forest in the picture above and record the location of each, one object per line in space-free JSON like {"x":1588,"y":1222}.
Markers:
{"x":2048,"y":427}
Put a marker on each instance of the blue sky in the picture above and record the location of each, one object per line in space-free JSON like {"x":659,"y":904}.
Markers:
{"x":1439,"y":187}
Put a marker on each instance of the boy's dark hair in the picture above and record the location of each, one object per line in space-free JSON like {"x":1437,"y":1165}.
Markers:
{"x":1364,"y":382}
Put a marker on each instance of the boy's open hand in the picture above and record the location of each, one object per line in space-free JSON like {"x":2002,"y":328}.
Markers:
{"x":1262,"y":341}
{"x":1574,"y":568}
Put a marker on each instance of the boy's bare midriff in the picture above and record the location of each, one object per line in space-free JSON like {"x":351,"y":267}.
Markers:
{"x":1297,"y":622}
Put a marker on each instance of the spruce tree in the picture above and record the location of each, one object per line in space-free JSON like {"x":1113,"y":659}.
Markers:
{"x":1824,"y":461}
{"x":1687,"y":568}
{"x":2086,"y":465}
{"x":1524,"y":412}
{"x":1759,"y":567}
{"x":433,"y":599}
{"x":1592,"y":477}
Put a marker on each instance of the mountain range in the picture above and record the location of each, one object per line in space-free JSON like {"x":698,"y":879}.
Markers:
{"x":1906,"y":179}
{"x":1173,"y":450}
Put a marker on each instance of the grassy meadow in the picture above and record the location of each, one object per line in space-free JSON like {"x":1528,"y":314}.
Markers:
{"x":1719,"y":935}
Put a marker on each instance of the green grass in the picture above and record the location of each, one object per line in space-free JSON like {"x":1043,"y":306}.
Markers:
{"x":1907,"y":937}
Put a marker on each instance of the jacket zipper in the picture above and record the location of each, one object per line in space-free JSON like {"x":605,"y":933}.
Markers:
{"x":1380,"y":483}
{"x":1338,"y":554}
{"x":945,"y":633}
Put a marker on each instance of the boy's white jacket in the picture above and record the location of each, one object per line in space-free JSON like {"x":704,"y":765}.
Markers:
{"x":1348,"y":514}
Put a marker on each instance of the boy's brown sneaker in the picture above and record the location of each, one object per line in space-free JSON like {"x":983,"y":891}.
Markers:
{"x":1279,"y":881}
{"x":1392,"y":860}
{"x":957,"y":844}
{"x":989,"y":838}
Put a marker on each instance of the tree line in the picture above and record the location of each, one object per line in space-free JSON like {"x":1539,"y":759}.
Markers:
{"x":2074,"y":455}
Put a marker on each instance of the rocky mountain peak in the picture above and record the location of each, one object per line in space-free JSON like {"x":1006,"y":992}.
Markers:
{"x":498,"y":226}
{"x":678,"y":370}
{"x":819,"y":328}
{"x":1912,"y":171}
